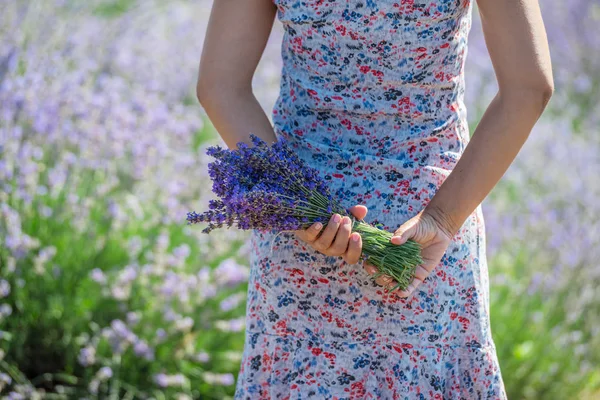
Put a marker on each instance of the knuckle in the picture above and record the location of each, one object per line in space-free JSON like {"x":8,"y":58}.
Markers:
{"x":321,"y":249}
{"x":328,"y":253}
{"x":310,"y":237}
{"x":333,"y":252}
{"x":338,"y":249}
{"x":353,"y":254}
{"x":345,"y":226}
{"x":317,"y":245}
{"x":328,"y":241}
{"x":324,"y":239}
{"x":325,"y":243}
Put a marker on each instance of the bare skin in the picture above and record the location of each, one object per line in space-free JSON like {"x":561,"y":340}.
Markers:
{"x":516,"y":40}
{"x":337,"y":238}
{"x":236,"y":37}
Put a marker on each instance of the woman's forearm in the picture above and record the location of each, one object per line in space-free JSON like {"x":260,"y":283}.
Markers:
{"x":235,"y":114}
{"x":499,"y":136}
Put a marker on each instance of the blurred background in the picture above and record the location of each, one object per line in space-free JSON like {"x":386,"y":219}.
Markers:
{"x":105,"y":292}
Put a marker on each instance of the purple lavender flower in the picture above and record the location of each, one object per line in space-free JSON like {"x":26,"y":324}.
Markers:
{"x":265,"y":187}
{"x":87,"y":356}
{"x":4,"y":288}
{"x":142,"y":349}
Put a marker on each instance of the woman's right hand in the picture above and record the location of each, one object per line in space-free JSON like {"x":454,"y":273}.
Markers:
{"x":337,"y":239}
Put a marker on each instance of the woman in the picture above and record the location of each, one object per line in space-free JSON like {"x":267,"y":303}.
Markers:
{"x":372,"y":96}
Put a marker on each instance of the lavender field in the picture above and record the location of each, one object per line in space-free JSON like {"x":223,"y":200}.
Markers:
{"x":106,"y":293}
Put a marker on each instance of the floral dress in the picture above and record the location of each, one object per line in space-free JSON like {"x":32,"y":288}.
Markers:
{"x":372,"y":96}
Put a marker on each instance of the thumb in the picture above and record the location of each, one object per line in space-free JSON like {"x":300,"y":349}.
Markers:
{"x":359,"y":211}
{"x":406,"y":231}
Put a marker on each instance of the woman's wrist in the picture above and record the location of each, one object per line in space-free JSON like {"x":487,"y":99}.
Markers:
{"x":447,"y":223}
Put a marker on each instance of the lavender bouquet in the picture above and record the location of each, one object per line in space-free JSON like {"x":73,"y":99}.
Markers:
{"x":268,"y":187}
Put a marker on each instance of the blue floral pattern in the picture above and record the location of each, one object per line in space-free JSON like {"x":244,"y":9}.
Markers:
{"x":372,"y":96}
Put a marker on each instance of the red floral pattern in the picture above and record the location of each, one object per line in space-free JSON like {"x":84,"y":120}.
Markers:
{"x":371,"y":96}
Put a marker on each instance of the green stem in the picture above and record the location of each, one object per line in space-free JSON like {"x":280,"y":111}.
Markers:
{"x":397,"y":261}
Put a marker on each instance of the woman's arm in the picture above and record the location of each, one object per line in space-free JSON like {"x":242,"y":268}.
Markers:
{"x":236,"y":37}
{"x":516,"y":40}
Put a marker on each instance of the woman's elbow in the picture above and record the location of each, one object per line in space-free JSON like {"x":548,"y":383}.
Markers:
{"x":203,"y":88}
{"x":519,"y":94}
{"x":545,"y":87}
{"x":208,"y":83}
{"x":548,"y":91}
{"x":212,"y":87}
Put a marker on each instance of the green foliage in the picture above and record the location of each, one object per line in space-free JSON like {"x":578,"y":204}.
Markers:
{"x":113,"y":8}
{"x":543,"y":345}
{"x":59,"y":308}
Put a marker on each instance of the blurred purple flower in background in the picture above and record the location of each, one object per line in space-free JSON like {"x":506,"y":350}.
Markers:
{"x":103,"y":152}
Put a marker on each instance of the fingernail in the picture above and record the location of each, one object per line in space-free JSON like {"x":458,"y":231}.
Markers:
{"x":318,"y":226}
{"x":337,"y":218}
{"x":396,"y":239}
{"x":346,"y":220}
{"x":355,"y":237}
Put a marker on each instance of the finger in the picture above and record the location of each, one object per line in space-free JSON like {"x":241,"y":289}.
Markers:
{"x":403,"y":293}
{"x":414,"y":285}
{"x":370,"y":268}
{"x":324,"y":241}
{"x":421,"y":272}
{"x":403,"y":233}
{"x":359,"y":211}
{"x":342,"y":237}
{"x":410,"y":289}
{"x":300,"y":234}
{"x":354,"y":248}
{"x":384,"y":280}
{"x":312,"y":232}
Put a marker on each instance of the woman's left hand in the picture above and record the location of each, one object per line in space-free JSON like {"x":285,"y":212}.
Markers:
{"x":427,"y":229}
